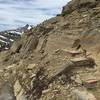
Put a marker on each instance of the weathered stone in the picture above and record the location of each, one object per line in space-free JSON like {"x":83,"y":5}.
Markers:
{"x":72,"y":64}
{"x":84,"y":2}
{"x":31,"y":66}
{"x":78,"y":4}
{"x":46,"y":91}
{"x":1,"y":71}
{"x":83,"y":61}
{"x":10,"y":67}
{"x":4,"y":56}
{"x":7,"y":74}
{"x":6,"y":92}
{"x":17,"y":87}
{"x":16,"y":46}
{"x":82,"y":95}
{"x":33,"y":75}
{"x":18,"y":91}
{"x":90,"y":83}
{"x":78,"y":80}
{"x":76,"y":43}
{"x":21,"y":96}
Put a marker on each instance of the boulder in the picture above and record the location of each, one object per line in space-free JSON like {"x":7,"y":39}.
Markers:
{"x":29,"y":44}
{"x":16,"y":46}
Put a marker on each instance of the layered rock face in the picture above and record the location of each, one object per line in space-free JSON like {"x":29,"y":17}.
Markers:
{"x":46,"y":63}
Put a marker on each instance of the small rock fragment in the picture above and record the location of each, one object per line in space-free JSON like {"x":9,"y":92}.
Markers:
{"x":31,"y":66}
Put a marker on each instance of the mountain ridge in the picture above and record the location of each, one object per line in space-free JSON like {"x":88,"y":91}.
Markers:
{"x":9,"y":36}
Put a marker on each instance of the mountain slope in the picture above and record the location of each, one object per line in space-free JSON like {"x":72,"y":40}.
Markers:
{"x":35,"y":65}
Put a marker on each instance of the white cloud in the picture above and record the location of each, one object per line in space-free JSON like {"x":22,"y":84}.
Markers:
{"x":19,"y":12}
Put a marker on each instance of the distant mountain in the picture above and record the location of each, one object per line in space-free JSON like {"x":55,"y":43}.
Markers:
{"x":9,"y":36}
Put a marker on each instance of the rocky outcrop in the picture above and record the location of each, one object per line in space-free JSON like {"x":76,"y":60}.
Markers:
{"x":41,"y":66}
{"x":79,"y":4}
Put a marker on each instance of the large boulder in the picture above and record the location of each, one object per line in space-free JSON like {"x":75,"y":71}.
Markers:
{"x":29,"y":44}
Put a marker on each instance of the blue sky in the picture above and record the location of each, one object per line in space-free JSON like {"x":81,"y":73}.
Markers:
{"x":16,"y":13}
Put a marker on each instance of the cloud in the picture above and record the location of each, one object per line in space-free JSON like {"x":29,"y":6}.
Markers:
{"x":15,"y":13}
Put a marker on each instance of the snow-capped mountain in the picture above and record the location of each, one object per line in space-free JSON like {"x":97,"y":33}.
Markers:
{"x":9,"y":36}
